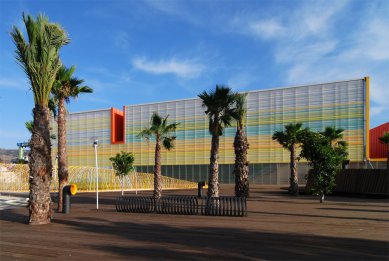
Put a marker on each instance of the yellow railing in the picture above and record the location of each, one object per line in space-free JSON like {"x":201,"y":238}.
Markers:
{"x":14,"y":177}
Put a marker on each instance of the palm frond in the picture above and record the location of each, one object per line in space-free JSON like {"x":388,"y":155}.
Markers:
{"x":156,"y":120}
{"x":384,"y":138}
{"x":29,"y":125}
{"x":168,"y":142}
{"x":39,"y":57}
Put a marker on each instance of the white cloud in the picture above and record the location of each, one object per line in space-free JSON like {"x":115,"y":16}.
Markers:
{"x":317,"y":16}
{"x":312,"y":18}
{"x":379,"y":90}
{"x":13,"y":83}
{"x":121,"y":40}
{"x":370,"y":41}
{"x":242,"y":80}
{"x":266,"y":28}
{"x":309,"y":51}
{"x":311,"y":48}
{"x":184,"y":68}
{"x":376,"y":110}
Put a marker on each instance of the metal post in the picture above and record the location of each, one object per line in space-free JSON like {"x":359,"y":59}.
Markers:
{"x":136,"y":183}
{"x":56,"y":172}
{"x":66,"y":200}
{"x":67,"y":192}
{"x":200,"y":186}
{"x":97,"y":175}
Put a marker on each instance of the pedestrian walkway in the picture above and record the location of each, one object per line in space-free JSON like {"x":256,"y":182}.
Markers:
{"x":7,"y":202}
{"x":277,"y":227}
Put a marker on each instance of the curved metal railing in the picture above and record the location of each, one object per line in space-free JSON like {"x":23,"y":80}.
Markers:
{"x":224,"y":206}
{"x":14,"y":177}
{"x":137,"y":204}
{"x":177,"y":205}
{"x":184,"y":205}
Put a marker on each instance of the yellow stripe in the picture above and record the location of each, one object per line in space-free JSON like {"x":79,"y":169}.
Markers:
{"x":367,"y":90}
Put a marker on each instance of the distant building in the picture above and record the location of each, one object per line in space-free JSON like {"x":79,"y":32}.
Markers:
{"x":342,"y":104}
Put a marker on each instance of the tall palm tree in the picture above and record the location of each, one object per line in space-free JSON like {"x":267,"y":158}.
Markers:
{"x":66,"y":87}
{"x":241,"y":146}
{"x":220,"y":108}
{"x":289,"y":139}
{"x":39,"y":58}
{"x":385,"y":140}
{"x":162,"y":132}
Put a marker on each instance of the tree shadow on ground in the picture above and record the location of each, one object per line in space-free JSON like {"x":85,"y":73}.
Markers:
{"x":319,"y":216}
{"x":11,"y":215}
{"x":160,"y":241}
{"x":356,"y":210}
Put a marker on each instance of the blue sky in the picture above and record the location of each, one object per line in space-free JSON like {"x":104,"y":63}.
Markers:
{"x":133,"y":52}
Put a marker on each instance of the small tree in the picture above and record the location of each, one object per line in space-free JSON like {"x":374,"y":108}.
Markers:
{"x":326,"y":160}
{"x":385,"y":140}
{"x":122,"y":164}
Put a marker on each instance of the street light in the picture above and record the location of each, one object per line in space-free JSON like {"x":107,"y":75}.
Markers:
{"x":97,"y":175}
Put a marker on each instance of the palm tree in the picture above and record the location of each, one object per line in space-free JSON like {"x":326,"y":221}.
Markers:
{"x":66,"y":87}
{"x":162,"y":132}
{"x":39,"y":58}
{"x":220,"y":108}
{"x":332,"y":134}
{"x":241,"y":146}
{"x":385,"y":140}
{"x":289,"y":139}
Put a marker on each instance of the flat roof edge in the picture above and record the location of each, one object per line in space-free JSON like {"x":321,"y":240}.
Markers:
{"x":261,"y":90}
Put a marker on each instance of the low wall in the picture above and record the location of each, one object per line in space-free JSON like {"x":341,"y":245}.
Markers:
{"x":363,"y":181}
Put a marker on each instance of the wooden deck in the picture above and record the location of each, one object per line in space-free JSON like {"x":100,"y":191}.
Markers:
{"x":278,"y":227}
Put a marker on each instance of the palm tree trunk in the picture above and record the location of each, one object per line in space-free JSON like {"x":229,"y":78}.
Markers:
{"x":157,"y":170}
{"x":40,"y":211}
{"x":213,"y":179}
{"x":241,"y":169}
{"x":62,"y":154}
{"x":294,"y":187}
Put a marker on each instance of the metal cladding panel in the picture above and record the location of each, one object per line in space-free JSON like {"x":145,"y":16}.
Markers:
{"x":378,"y":150}
{"x":339,"y":104}
{"x":82,"y":129}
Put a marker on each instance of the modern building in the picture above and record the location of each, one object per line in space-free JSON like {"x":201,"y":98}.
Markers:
{"x":342,"y":104}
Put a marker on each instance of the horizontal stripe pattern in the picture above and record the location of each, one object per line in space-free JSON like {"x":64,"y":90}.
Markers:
{"x":338,"y":104}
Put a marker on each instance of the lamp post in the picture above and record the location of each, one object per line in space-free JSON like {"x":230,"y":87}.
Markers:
{"x":97,"y":175}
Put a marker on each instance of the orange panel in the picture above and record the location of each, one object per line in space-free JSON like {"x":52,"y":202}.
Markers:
{"x":117,"y":126}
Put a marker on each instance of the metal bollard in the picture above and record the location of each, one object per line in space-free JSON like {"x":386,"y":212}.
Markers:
{"x":69,"y":190}
{"x":200,"y":186}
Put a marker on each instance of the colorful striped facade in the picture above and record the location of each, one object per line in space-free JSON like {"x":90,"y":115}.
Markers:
{"x":342,"y":104}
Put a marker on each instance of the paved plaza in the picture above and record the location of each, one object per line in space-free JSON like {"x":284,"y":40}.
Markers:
{"x":278,"y":227}
{"x":7,"y":202}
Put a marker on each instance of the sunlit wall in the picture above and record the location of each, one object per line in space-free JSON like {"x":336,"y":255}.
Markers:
{"x":340,"y":104}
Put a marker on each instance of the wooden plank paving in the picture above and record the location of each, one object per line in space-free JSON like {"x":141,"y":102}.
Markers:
{"x":278,"y":227}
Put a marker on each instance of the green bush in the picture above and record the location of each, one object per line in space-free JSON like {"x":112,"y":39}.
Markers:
{"x":326,"y":157}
